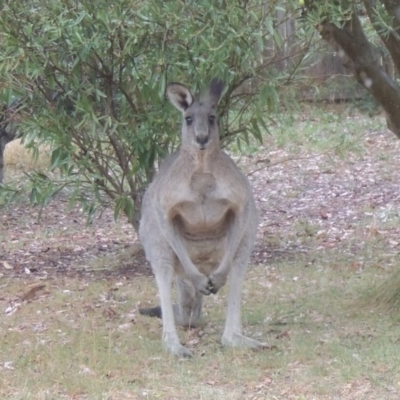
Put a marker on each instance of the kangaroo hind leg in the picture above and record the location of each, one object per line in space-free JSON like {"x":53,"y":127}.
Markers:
{"x":188,"y":310}
{"x":232,"y":335}
{"x":164,"y":273}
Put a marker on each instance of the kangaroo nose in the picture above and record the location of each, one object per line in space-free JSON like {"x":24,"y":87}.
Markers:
{"x":202,"y":140}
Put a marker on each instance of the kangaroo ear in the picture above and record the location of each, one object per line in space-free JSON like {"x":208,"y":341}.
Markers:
{"x":213,"y":92}
{"x":216,"y":87}
{"x":179,"y":96}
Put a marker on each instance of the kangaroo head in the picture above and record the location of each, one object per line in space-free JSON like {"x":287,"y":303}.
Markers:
{"x":200,"y":127}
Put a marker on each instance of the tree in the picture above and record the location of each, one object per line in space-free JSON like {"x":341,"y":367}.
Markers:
{"x":8,"y":130}
{"x":364,"y":33}
{"x":92,"y":76}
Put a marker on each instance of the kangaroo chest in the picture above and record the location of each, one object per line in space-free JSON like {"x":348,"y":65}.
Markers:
{"x":202,"y":207}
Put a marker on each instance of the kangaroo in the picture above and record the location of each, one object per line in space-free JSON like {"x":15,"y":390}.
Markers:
{"x":198,"y":223}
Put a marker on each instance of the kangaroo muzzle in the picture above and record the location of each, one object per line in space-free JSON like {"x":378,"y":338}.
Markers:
{"x":202,"y":141}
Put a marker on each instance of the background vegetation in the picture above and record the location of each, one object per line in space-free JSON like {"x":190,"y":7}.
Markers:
{"x":92,"y":77}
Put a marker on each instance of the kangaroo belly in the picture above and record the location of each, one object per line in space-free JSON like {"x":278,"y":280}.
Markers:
{"x":206,"y":254}
{"x":204,"y":229}
{"x":203,"y":220}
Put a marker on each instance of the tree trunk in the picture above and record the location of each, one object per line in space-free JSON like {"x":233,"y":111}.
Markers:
{"x":2,"y":146}
{"x":389,"y":39}
{"x":8,"y":131}
{"x":6,"y":136}
{"x":357,"y":53}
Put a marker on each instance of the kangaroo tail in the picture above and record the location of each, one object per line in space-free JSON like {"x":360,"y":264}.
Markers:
{"x":151,"y":312}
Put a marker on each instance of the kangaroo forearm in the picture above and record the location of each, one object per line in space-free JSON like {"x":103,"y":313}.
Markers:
{"x":235,"y":235}
{"x":181,"y":252}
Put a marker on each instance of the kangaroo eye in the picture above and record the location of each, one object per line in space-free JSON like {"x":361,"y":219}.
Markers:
{"x":189,"y":120}
{"x":211,"y":119}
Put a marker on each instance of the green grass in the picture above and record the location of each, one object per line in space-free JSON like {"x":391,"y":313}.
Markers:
{"x":317,"y":128}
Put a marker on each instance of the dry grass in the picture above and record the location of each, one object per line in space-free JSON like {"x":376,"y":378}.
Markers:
{"x":19,"y":158}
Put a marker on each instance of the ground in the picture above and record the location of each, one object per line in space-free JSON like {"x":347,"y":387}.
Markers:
{"x":327,"y":187}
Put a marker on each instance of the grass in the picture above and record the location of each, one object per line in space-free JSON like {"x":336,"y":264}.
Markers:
{"x":338,"y":127}
{"x":82,"y":337}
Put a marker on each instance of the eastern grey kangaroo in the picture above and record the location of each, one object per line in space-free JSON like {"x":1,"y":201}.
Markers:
{"x":198,"y":222}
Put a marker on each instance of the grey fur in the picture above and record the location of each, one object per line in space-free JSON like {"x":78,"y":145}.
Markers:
{"x":199,"y":222}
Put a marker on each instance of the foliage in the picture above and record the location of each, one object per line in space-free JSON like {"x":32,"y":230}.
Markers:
{"x":93,"y":78}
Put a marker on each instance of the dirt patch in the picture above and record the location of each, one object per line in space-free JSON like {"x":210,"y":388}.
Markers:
{"x":336,"y":202}
{"x":60,"y":242}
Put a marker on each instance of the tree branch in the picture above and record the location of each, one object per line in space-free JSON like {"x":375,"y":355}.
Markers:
{"x":351,"y":39}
